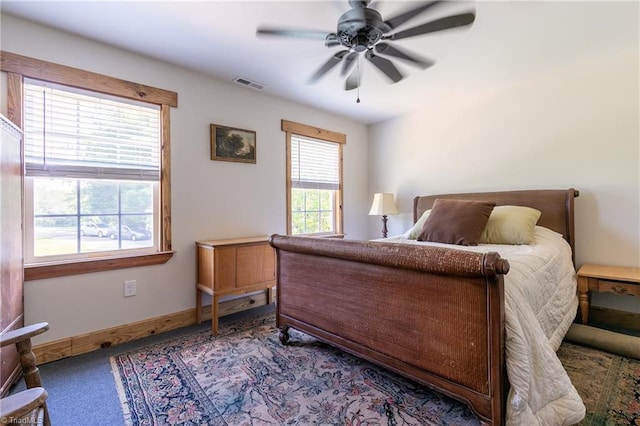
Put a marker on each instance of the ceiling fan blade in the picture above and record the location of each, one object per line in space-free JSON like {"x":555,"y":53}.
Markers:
{"x":441,"y":24}
{"x":398,"y":20}
{"x":387,"y":49}
{"x":291,"y":33}
{"x":349,"y":62}
{"x":332,"y":62}
{"x":385,"y":65}
{"x":352,"y":81}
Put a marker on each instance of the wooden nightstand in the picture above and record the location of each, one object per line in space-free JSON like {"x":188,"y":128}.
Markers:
{"x":601,"y":278}
{"x":233,"y":266}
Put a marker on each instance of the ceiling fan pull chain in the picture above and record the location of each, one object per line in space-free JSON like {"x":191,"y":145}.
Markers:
{"x":358,"y":71}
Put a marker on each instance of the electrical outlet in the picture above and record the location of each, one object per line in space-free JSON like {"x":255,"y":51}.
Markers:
{"x":129,"y":288}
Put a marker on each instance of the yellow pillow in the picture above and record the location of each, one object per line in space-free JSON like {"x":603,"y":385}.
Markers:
{"x":415,"y":230}
{"x":510,"y":225}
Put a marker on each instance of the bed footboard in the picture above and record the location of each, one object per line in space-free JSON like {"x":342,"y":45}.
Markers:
{"x":434,"y":315}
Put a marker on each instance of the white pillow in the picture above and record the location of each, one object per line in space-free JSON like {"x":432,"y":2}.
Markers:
{"x":415,"y":230}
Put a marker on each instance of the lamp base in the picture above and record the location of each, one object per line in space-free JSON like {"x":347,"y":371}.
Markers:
{"x":384,"y":226}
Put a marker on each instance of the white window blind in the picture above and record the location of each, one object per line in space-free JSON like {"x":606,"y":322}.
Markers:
{"x":79,"y":134}
{"x":314,"y":164}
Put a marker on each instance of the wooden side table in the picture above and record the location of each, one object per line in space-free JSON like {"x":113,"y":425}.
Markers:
{"x":601,"y":278}
{"x":233,"y":266}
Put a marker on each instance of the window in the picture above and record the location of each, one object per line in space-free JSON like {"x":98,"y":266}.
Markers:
{"x":92,"y":167}
{"x":314,"y":180}
{"x":97,"y":187}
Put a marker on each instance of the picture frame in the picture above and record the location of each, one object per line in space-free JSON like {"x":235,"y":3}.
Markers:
{"x":233,"y":144}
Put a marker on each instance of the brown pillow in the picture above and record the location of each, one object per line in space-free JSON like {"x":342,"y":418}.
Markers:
{"x":458,"y":222}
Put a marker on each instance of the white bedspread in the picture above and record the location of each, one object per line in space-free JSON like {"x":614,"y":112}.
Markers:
{"x":540,"y":305}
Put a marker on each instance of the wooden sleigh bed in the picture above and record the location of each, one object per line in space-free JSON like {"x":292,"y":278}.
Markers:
{"x":433,"y":314}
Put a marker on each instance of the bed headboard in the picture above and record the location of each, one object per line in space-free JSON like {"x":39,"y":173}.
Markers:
{"x":556,"y":206}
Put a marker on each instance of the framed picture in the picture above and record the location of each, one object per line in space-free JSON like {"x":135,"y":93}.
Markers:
{"x":231,"y":144}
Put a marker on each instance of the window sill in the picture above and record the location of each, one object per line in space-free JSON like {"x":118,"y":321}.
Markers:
{"x":39,"y":271}
{"x":321,"y":235}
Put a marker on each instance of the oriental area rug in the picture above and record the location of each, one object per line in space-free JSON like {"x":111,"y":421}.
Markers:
{"x":245,"y":376}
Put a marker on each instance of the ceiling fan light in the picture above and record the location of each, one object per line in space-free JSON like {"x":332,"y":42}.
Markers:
{"x":360,"y":43}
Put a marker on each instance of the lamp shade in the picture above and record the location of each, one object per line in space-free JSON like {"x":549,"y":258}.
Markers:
{"x":383,"y":204}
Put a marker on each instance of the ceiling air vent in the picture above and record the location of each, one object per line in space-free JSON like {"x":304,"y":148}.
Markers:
{"x":249,"y":83}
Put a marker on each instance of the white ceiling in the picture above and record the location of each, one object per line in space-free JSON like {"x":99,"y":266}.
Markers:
{"x":218,"y":38}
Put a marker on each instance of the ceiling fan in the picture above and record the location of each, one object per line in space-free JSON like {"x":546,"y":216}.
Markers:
{"x":362,"y":30}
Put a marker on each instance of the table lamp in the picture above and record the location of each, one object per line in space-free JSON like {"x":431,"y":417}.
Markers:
{"x":383,"y":204}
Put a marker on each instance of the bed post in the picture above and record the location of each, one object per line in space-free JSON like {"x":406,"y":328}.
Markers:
{"x":494,"y":269}
{"x":571,"y":238}
{"x":284,"y":334}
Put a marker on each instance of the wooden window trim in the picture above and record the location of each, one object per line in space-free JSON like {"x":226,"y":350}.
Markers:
{"x":38,"y":271}
{"x":313,"y":132}
{"x":17,"y":68}
{"x":291,"y":127}
{"x":69,"y":76}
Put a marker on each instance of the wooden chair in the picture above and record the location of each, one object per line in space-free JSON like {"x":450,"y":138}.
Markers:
{"x":26,"y":407}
